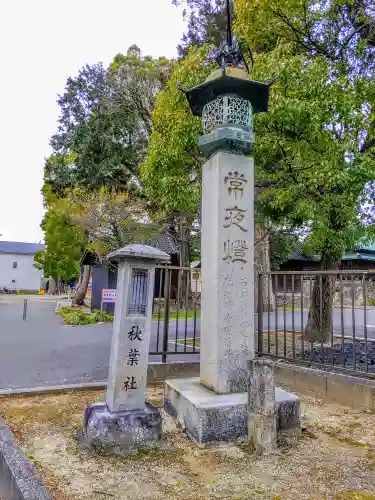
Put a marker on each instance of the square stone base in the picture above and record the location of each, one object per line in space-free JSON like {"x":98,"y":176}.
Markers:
{"x":209,"y":417}
{"x":121,"y":433}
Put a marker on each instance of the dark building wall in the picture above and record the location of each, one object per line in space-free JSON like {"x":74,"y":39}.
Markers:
{"x":159,"y":289}
{"x":102,"y":277}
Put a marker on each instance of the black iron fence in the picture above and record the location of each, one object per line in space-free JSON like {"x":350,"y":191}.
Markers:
{"x":176,"y":312}
{"x":318,"y":318}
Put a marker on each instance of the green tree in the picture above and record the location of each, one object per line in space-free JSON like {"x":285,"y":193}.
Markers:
{"x":171,"y":171}
{"x":314,"y":148}
{"x":64,"y":242}
{"x":103,"y":132}
{"x":206,"y":23}
{"x":105,"y":123}
{"x":110,"y":219}
{"x":282,"y":244}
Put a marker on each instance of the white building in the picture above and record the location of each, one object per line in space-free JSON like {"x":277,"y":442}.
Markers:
{"x":17,"y":269}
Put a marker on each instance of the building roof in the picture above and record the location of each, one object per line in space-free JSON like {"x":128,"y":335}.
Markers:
{"x":362,"y":252}
{"x":299,"y":255}
{"x":366,"y":248}
{"x":17,"y":247}
{"x":359,"y":256}
{"x":165,"y":242}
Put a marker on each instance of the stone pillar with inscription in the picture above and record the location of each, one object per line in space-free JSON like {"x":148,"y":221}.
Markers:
{"x":126,"y":422}
{"x":227,"y":316}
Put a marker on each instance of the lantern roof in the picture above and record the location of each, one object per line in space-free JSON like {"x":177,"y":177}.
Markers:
{"x":139,"y":251}
{"x":228,"y":84}
{"x":232,"y":78}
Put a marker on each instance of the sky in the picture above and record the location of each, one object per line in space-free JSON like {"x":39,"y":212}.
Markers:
{"x":42,"y":43}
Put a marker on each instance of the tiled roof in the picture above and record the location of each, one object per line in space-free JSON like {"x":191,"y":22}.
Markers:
{"x":361,"y":253}
{"x":166,"y":242}
{"x":17,"y":247}
{"x":299,"y":255}
{"x":366,"y":248}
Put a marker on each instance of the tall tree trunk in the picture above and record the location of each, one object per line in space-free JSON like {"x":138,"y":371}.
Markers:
{"x":52,"y":286}
{"x":319,"y":321}
{"x":262,"y":265}
{"x":58,"y":285}
{"x":184,"y":292}
{"x":79,"y":297}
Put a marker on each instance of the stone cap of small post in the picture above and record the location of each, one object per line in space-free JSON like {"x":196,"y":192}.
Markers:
{"x":139,"y":251}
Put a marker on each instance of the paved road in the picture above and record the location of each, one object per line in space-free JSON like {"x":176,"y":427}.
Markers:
{"x":345,"y":321}
{"x":41,"y":350}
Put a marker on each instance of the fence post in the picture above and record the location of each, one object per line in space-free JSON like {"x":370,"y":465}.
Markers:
{"x":167,"y":284}
{"x":24,"y":309}
{"x":260,"y":313}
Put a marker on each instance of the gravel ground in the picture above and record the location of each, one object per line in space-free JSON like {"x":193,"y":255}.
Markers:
{"x":290,"y":346}
{"x":333,"y":460}
{"x":343,"y":355}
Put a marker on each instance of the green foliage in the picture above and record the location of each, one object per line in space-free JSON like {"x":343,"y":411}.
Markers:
{"x":111,"y":219}
{"x":92,"y":192}
{"x":281,"y":246}
{"x":310,"y":151}
{"x":105,"y":123}
{"x":93,"y":135}
{"x":74,"y":316}
{"x":64,"y":244}
{"x":171,"y":172}
{"x":206,"y":23}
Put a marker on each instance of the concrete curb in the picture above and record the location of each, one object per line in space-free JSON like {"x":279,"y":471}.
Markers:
{"x":157,"y":373}
{"x":333,"y":387}
{"x":53,"y":389}
{"x":18,"y":478}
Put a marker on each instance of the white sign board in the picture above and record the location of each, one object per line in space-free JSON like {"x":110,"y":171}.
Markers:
{"x":108,"y":295}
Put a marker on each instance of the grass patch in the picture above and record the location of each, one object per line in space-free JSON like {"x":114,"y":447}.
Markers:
{"x":182,"y":314}
{"x":287,"y":309}
{"x":155,"y":401}
{"x":147,"y":453}
{"x":352,"y":442}
{"x":74,"y":316}
{"x":189,"y":342}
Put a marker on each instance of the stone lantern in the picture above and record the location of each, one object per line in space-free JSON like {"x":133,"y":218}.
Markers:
{"x":214,"y":406}
{"x":227,"y":102}
{"x":126,"y":422}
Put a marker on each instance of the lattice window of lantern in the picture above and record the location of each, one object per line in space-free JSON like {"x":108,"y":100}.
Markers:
{"x":137,"y":305}
{"x":226,"y":109}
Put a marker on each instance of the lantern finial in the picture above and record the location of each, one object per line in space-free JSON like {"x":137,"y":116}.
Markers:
{"x":229,"y":53}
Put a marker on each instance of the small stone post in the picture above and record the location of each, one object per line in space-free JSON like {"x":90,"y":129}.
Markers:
{"x":126,"y":422}
{"x":262,"y":430}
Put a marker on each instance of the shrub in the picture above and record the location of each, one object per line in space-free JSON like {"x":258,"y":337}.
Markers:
{"x":74,"y":316}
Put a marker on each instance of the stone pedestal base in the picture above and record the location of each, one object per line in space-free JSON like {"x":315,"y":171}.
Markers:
{"x":121,"y":433}
{"x":209,"y":417}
